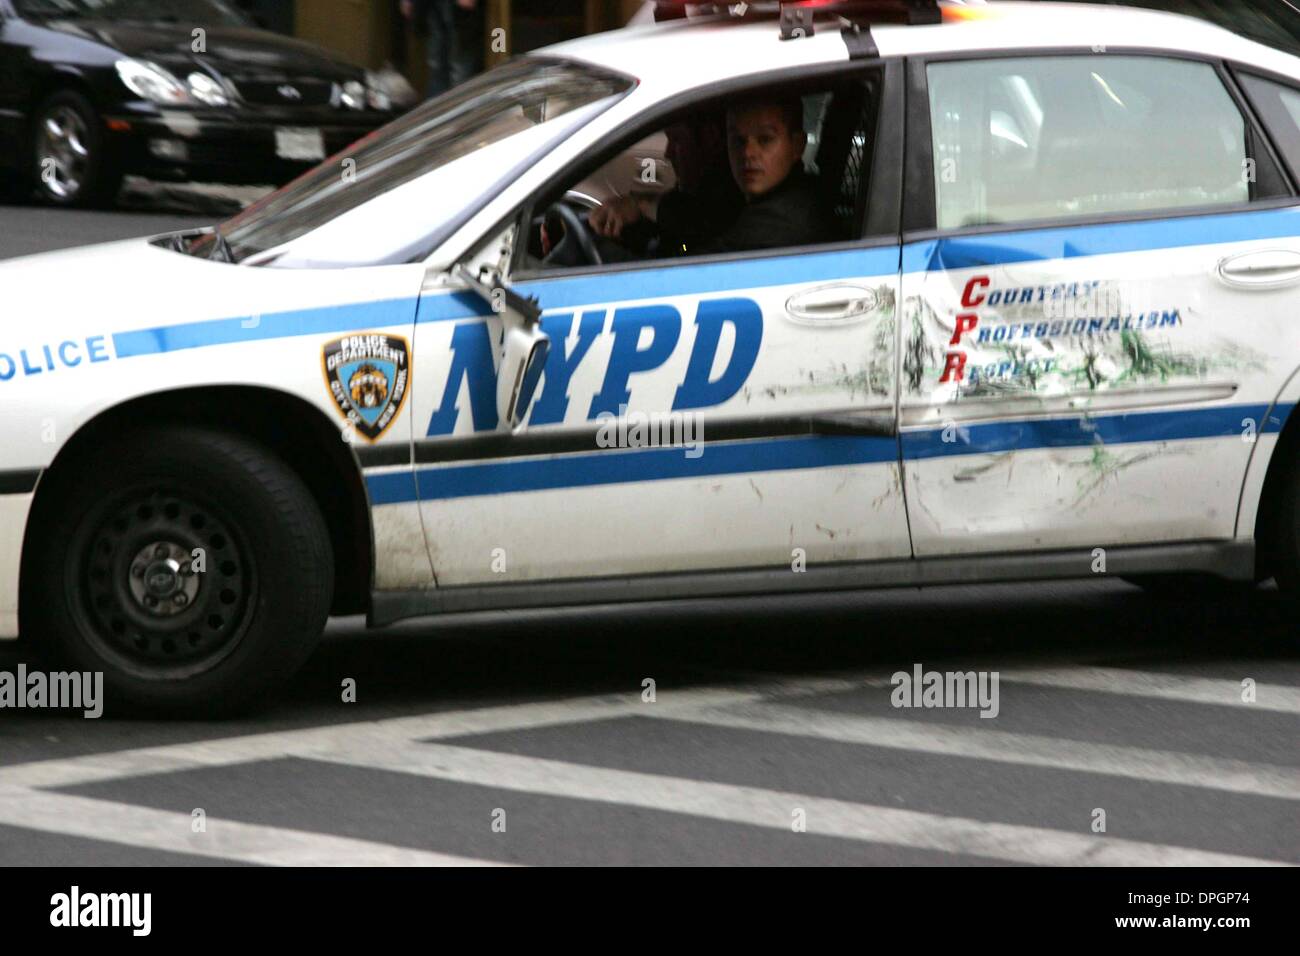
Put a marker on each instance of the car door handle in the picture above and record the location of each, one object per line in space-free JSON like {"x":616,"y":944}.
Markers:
{"x":1261,"y":269}
{"x":850,"y":423}
{"x":831,"y":304}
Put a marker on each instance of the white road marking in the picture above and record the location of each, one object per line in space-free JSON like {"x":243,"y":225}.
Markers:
{"x":1195,"y":690}
{"x":774,"y":809}
{"x":1191,"y":770}
{"x":225,"y":839}
{"x":170,"y":758}
{"x":392,"y":744}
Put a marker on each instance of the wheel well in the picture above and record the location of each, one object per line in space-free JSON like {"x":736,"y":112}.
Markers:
{"x":1281,"y":466}
{"x":293,"y":429}
{"x":56,"y":83}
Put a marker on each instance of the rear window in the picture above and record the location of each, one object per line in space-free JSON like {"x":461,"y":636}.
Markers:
{"x":1051,"y":137}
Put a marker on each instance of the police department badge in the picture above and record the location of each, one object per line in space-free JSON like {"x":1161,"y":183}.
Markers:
{"x":368,"y":375}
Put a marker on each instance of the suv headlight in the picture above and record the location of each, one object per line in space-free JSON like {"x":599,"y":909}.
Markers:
{"x":151,"y":82}
{"x":207,"y":90}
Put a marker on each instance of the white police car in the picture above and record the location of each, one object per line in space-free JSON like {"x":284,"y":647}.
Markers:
{"x":1050,"y":331}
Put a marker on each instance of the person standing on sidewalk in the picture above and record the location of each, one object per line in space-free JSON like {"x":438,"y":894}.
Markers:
{"x":454,"y":31}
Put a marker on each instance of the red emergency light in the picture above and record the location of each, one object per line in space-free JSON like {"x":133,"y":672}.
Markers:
{"x":796,"y":16}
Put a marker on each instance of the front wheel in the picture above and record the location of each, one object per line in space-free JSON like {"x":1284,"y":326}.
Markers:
{"x":71,"y":163}
{"x":189,"y":565}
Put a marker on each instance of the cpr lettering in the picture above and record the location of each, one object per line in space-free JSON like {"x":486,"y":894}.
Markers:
{"x":954,"y":362}
{"x":50,"y":358}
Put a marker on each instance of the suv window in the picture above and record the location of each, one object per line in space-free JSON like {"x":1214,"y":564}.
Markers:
{"x":1049,"y":137}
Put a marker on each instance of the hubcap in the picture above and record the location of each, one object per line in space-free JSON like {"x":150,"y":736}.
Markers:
{"x":164,"y":583}
{"x":62,"y":157}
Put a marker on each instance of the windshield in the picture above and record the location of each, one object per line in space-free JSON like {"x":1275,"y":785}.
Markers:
{"x":208,"y":12}
{"x":477,"y":134}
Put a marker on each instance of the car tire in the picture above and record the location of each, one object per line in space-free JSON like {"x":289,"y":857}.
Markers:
{"x":190,"y":565}
{"x":1280,"y":537}
{"x":70,"y":164}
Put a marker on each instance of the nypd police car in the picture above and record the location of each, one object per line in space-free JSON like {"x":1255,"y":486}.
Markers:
{"x":1044,"y":325}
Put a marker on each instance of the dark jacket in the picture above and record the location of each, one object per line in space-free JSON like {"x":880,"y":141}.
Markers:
{"x":683,"y":221}
{"x":791,"y":214}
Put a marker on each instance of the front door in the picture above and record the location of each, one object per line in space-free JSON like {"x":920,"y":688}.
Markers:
{"x":717,"y":412}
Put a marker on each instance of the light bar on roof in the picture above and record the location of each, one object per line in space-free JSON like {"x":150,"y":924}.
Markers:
{"x":796,"y":16}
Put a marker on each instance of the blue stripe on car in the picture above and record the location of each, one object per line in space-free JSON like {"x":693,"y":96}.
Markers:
{"x":626,"y":466}
{"x":1072,"y":242}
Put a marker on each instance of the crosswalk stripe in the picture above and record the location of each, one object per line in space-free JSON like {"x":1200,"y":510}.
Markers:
{"x":774,"y":809}
{"x":1192,"y":770}
{"x":170,"y":758}
{"x":224,"y":839}
{"x":1195,"y":690}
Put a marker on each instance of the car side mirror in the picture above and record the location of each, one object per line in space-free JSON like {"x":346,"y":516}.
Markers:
{"x":523,"y":356}
{"x":524,"y":346}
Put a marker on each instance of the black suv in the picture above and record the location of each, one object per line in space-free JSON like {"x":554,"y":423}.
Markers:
{"x":170,"y":89}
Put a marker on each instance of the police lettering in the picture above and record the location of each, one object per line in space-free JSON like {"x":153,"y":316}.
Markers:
{"x":52,"y":357}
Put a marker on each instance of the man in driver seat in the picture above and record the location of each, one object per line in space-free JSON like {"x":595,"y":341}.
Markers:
{"x":779,"y":203}
{"x":765,"y":142}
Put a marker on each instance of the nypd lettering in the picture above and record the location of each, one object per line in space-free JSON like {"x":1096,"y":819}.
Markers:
{"x":52,"y":357}
{"x":645,"y":337}
{"x":368,"y":375}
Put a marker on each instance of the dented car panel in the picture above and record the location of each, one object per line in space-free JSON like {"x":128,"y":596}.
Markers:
{"x":1121,"y":388}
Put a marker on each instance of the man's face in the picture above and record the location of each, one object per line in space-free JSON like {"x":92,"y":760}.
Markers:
{"x":762,"y":148}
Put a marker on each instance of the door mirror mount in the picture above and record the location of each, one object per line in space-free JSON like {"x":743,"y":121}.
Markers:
{"x":524,"y":346}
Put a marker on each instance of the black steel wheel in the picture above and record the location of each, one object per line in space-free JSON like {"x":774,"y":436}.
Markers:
{"x":191,"y":566}
{"x":160,"y":583}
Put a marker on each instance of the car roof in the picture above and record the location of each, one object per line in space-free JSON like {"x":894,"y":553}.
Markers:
{"x":680,"y":54}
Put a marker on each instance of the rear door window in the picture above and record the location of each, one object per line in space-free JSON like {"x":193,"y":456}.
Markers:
{"x":1051,"y":137}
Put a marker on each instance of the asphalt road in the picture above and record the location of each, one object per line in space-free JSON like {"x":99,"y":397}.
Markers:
{"x":528,"y":738}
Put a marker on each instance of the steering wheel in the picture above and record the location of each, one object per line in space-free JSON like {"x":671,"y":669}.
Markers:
{"x":576,"y":233}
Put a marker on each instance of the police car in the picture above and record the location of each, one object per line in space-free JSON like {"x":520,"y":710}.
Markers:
{"x":1050,"y":331}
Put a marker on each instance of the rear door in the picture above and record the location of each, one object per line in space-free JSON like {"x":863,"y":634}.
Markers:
{"x":1100,"y":289}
